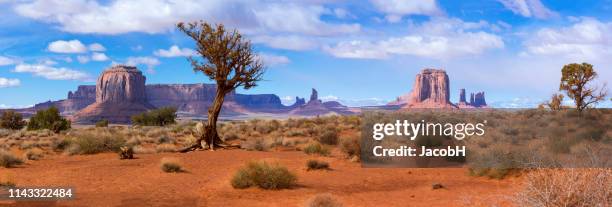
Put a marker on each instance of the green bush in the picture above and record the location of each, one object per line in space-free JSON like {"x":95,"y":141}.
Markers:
{"x":48,"y":119}
{"x":316,"y":165}
{"x":8,"y":159}
{"x":158,"y":117}
{"x":12,"y":120}
{"x":263,"y":175}
{"x":102,"y":123}
{"x":316,"y":148}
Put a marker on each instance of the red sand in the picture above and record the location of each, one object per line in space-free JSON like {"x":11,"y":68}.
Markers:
{"x":104,"y":180}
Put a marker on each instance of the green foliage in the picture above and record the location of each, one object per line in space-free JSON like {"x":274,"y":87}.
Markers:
{"x":158,"y":117}
{"x":574,"y":81}
{"x":48,"y":119}
{"x":12,"y":120}
{"x":263,"y":175}
{"x":102,"y":123}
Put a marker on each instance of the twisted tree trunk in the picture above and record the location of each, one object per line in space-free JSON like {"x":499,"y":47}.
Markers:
{"x":209,"y":136}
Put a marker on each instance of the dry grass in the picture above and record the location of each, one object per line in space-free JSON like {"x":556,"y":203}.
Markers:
{"x":317,"y":165}
{"x":567,"y":187}
{"x":8,"y":159}
{"x":165,"y":148}
{"x":34,"y":154}
{"x":263,"y":175}
{"x":322,"y":200}
{"x":171,"y":165}
{"x":316,"y":148}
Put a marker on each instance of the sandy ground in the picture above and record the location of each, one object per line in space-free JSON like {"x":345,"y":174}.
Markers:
{"x":104,"y":180}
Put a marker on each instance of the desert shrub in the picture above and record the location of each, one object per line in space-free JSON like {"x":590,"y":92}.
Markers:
{"x":34,"y":154}
{"x":295,"y":133}
{"x":157,"y":117}
{"x":350,"y":146}
{"x":92,"y":143}
{"x":567,"y":187}
{"x":316,"y":165}
{"x":322,"y":200}
{"x":329,"y":136}
{"x":11,"y":120}
{"x":126,"y":153}
{"x":231,"y":135}
{"x":102,"y":123}
{"x":48,"y":119}
{"x":561,"y":144}
{"x":61,"y":144}
{"x":142,"y":150}
{"x":8,"y":159}
{"x":263,"y":175}
{"x":316,"y":148}
{"x":28,"y":145}
{"x":256,"y":144}
{"x":165,"y":139}
{"x":165,"y":148}
{"x":495,"y":162}
{"x":171,"y":165}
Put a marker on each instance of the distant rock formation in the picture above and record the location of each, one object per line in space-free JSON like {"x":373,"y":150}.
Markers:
{"x":120,"y":93}
{"x":430,"y":90}
{"x":477,"y":100}
{"x":318,"y":107}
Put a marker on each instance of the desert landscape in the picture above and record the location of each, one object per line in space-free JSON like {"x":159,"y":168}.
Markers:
{"x":305,"y":103}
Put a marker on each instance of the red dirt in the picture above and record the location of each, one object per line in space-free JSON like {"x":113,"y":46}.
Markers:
{"x":104,"y":180}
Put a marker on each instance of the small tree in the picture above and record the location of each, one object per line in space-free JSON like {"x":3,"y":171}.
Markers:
{"x":48,"y":119}
{"x":227,"y":59}
{"x":556,"y":102}
{"x":574,"y":81}
{"x":12,"y":120}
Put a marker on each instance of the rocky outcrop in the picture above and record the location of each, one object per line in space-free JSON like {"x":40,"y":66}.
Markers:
{"x":430,"y":90}
{"x":120,"y":93}
{"x":477,"y":100}
{"x":318,"y":107}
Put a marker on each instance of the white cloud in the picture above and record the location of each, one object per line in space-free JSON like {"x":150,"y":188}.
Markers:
{"x":96,"y":47}
{"x":290,"y":42}
{"x":52,"y":73}
{"x":272,"y":60}
{"x":97,"y":56}
{"x":587,"y":39}
{"x":71,"y":46}
{"x":150,"y":62}
{"x":395,"y":9}
{"x":439,"y":38}
{"x":529,"y":8}
{"x":6,"y":61}
{"x":8,"y":82}
{"x":174,"y":51}
{"x":162,"y":15}
{"x":83,"y":59}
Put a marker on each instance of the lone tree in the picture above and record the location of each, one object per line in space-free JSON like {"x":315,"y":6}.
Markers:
{"x":556,"y":102}
{"x":575,"y":79}
{"x":230,"y":61}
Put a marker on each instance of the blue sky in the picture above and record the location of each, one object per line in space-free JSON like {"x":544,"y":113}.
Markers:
{"x":357,"y":52}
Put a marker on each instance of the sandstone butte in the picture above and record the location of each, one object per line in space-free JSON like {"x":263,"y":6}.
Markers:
{"x":431,"y":89}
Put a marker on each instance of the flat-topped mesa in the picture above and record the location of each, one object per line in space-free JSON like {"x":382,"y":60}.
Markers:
{"x":430,"y":90}
{"x":120,"y":93}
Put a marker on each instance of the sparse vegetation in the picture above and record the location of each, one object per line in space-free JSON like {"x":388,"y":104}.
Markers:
{"x":8,"y":159}
{"x":126,"y":153}
{"x":350,"y":146}
{"x":92,"y":143}
{"x":165,"y":148}
{"x":11,"y":120}
{"x":102,"y":123}
{"x":316,"y":148}
{"x":263,"y":175}
{"x":323,"y":200}
{"x":34,"y":154}
{"x":48,"y":119}
{"x":575,"y":81}
{"x":317,"y":165}
{"x":157,"y":117}
{"x":567,"y":187}
{"x":329,"y":136}
{"x":171,"y":165}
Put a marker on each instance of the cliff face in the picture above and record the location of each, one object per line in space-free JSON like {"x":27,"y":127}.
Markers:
{"x":477,"y":100}
{"x":120,"y":93}
{"x":430,"y":90}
